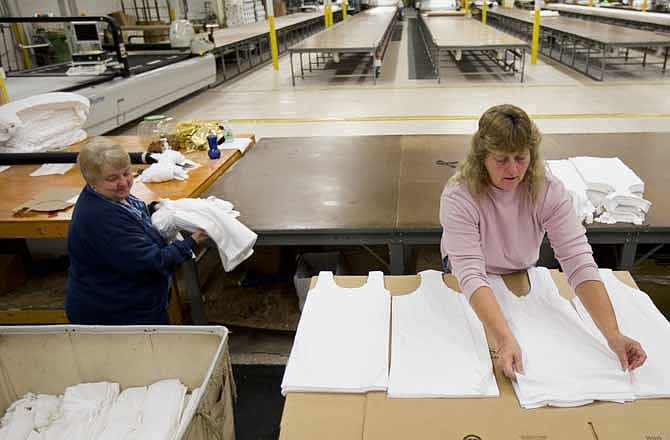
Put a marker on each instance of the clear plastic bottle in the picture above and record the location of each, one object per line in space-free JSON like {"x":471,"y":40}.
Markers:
{"x":155,"y":132}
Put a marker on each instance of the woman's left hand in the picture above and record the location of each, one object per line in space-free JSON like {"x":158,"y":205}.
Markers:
{"x":630,"y":352}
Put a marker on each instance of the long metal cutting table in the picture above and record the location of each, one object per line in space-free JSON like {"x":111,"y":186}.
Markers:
{"x":483,"y":44}
{"x":365,"y":190}
{"x":249,"y":44}
{"x":588,"y":46}
{"x":637,"y":19}
{"x":364,"y":34}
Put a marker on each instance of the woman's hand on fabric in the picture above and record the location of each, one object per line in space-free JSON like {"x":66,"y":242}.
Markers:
{"x":509,"y":357}
{"x":199,"y":236}
{"x":628,"y":350}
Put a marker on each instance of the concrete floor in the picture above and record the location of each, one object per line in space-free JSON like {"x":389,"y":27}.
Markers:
{"x":559,"y":99}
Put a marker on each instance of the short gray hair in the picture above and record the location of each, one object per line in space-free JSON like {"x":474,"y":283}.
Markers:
{"x":98,"y":152}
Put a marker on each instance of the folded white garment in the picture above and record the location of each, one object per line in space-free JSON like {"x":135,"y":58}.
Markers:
{"x":190,"y":405}
{"x":438,"y":345}
{"x":18,"y":422}
{"x":43,"y":122}
{"x":46,"y":409}
{"x":616,"y":201}
{"x":49,"y":169}
{"x":161,"y":411}
{"x":639,"y":319}
{"x":608,"y":175}
{"x":4,"y":168}
{"x":564,"y":363}
{"x":125,"y":415}
{"x":342,"y":341}
{"x":216,"y":217}
{"x":566,"y":172}
{"x":611,"y":218}
{"x":85,"y":408}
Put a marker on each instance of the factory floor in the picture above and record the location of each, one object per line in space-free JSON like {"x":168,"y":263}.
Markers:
{"x":407,"y":99}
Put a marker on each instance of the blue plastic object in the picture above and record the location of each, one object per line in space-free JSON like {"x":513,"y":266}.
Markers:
{"x":214,"y":152}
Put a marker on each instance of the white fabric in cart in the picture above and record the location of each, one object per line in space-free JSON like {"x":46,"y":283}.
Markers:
{"x":438,"y":345}
{"x":161,"y":411}
{"x":639,"y":319}
{"x":564,"y":363}
{"x":125,"y":415}
{"x":342,"y":341}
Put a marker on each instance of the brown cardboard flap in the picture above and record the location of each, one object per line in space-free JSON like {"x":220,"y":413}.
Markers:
{"x":312,"y":416}
{"x":50,"y":200}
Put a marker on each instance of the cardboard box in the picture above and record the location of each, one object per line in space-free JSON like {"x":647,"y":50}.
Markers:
{"x":123,"y":19}
{"x":47,"y":359}
{"x":373,"y":416}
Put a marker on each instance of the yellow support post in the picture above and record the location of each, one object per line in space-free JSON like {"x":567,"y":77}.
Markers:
{"x":273,"y":35}
{"x":484,"y":7}
{"x":4,"y":96}
{"x":536,"y":36}
{"x":467,"y":8}
{"x":644,"y":5}
{"x":25,"y":55}
{"x":591,"y":3}
{"x":344,"y":10}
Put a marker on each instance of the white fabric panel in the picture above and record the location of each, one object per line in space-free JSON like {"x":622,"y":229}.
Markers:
{"x":639,"y":319}
{"x":564,"y":363}
{"x":126,"y":415}
{"x":438,"y":345}
{"x":566,"y":172}
{"x":342,"y":341}
{"x":162,"y":410}
{"x":234,"y":240}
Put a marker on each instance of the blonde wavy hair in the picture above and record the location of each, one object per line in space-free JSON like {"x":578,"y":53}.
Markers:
{"x":502,"y":129}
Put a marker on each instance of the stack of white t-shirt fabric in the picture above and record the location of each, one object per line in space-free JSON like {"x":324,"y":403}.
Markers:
{"x":438,"y":345}
{"x":613,"y":188}
{"x":97,"y":411}
{"x":216,"y":217}
{"x":566,"y":172}
{"x":43,"y":122}
{"x":638,"y":318}
{"x":564,"y":363}
{"x":342,"y":341}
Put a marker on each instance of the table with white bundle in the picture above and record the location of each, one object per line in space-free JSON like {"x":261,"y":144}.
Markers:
{"x":18,"y":187}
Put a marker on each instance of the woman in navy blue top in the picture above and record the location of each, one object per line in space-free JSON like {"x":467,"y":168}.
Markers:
{"x":120,"y":265}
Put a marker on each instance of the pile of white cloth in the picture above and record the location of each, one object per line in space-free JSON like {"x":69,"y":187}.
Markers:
{"x":544,"y":13}
{"x":603,"y":189}
{"x":97,"y":411}
{"x":43,"y":122}
{"x":170,"y":166}
{"x":566,"y":172}
{"x":216,"y":217}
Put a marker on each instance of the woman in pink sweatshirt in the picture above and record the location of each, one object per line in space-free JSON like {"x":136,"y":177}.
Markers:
{"x":495,"y":212}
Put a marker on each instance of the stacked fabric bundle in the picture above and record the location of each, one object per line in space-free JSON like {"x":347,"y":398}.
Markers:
{"x":97,"y":411}
{"x":43,"y":122}
{"x":566,"y":172}
{"x":603,"y":189}
{"x":216,"y":217}
{"x":613,"y":188}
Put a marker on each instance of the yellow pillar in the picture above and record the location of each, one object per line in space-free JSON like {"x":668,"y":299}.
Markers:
{"x":467,"y":8}
{"x":273,"y":34}
{"x":591,"y":3}
{"x":536,"y":35}
{"x":484,"y":7}
{"x":344,"y":9}
{"x":644,"y":5}
{"x":4,"y":96}
{"x":25,"y":55}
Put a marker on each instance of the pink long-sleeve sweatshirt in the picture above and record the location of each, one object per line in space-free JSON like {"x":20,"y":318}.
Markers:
{"x":501,"y":232}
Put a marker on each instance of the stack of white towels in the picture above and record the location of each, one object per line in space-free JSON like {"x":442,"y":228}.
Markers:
{"x":43,"y":122}
{"x":100,"y":411}
{"x":216,"y":217}
{"x":603,"y":189}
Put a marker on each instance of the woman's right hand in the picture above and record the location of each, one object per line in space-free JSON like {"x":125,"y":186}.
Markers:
{"x":509,"y":357}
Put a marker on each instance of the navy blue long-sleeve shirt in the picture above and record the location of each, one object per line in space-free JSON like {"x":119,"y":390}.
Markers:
{"x":120,"y":265}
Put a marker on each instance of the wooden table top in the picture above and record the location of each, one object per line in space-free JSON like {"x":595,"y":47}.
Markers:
{"x":18,"y":187}
{"x":462,"y":32}
{"x":363,"y":31}
{"x":591,"y":30}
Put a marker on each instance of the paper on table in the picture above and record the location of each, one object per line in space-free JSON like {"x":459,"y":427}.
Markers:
{"x":241,"y":144}
{"x":4,"y":168}
{"x":52,"y":168}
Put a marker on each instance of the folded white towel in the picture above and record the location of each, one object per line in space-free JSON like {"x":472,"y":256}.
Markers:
{"x":566,"y":172}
